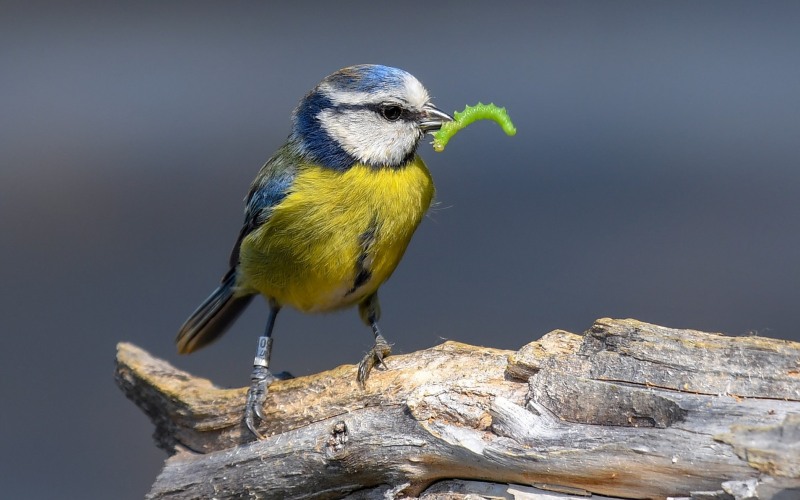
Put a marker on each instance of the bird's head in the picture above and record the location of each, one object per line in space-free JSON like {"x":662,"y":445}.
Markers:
{"x":368,"y":114}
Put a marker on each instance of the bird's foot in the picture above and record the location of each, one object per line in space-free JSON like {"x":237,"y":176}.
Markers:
{"x":374,"y":357}
{"x":260,"y":380}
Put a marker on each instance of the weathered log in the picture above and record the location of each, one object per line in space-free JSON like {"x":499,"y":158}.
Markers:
{"x":627,"y":409}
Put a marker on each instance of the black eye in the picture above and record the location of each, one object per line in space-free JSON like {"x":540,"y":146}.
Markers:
{"x":391,"y":112}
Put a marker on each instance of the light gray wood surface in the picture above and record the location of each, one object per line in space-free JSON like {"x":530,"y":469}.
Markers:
{"x":627,"y":409}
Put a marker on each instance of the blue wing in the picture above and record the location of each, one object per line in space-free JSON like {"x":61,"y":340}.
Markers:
{"x":270,"y":187}
{"x":225,"y":304}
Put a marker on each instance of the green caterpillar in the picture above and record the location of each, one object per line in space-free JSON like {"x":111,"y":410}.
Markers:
{"x":470,"y":114}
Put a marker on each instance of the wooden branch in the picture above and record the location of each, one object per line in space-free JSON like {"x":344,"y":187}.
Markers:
{"x":627,"y":409}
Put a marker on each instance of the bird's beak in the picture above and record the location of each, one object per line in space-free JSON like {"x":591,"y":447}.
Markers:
{"x":433,"y":118}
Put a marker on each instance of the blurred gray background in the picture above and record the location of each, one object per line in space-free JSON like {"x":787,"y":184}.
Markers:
{"x":655,"y":175}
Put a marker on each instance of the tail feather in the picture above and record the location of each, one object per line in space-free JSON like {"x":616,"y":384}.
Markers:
{"x":214,"y":316}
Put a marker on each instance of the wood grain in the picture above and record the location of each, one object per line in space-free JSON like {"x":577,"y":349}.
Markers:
{"x":627,"y":409}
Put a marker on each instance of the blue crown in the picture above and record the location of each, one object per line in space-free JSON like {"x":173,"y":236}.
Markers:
{"x":367,"y":78}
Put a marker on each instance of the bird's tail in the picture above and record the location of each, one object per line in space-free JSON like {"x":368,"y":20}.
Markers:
{"x":214,"y":316}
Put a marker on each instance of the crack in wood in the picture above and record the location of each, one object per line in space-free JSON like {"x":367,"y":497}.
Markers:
{"x":556,"y":412}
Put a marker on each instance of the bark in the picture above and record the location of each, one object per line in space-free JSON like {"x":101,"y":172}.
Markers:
{"x":627,"y":409}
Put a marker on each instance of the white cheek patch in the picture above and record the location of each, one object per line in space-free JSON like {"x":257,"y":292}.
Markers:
{"x":368,"y":138}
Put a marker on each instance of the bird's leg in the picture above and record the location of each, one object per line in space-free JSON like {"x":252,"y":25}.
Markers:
{"x":370,"y":311}
{"x":261,"y":376}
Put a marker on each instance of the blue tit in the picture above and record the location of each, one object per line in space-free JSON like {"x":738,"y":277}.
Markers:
{"x":329,"y":216}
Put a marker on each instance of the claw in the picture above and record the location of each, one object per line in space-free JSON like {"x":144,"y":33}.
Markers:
{"x":249,"y":421}
{"x":259,"y":410}
{"x":374,"y":357}
{"x":256,"y":396}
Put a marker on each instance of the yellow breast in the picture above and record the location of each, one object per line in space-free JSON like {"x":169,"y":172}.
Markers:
{"x":337,"y":236}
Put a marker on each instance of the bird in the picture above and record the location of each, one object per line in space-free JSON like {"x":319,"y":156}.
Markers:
{"x":329,"y":216}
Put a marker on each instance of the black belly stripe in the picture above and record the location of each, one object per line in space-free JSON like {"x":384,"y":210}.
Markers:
{"x":363,"y":274}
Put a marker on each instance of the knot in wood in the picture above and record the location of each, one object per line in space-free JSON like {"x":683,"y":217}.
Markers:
{"x":338,"y":438}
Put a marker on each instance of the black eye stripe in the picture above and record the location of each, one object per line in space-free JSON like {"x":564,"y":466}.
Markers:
{"x":378,"y":108}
